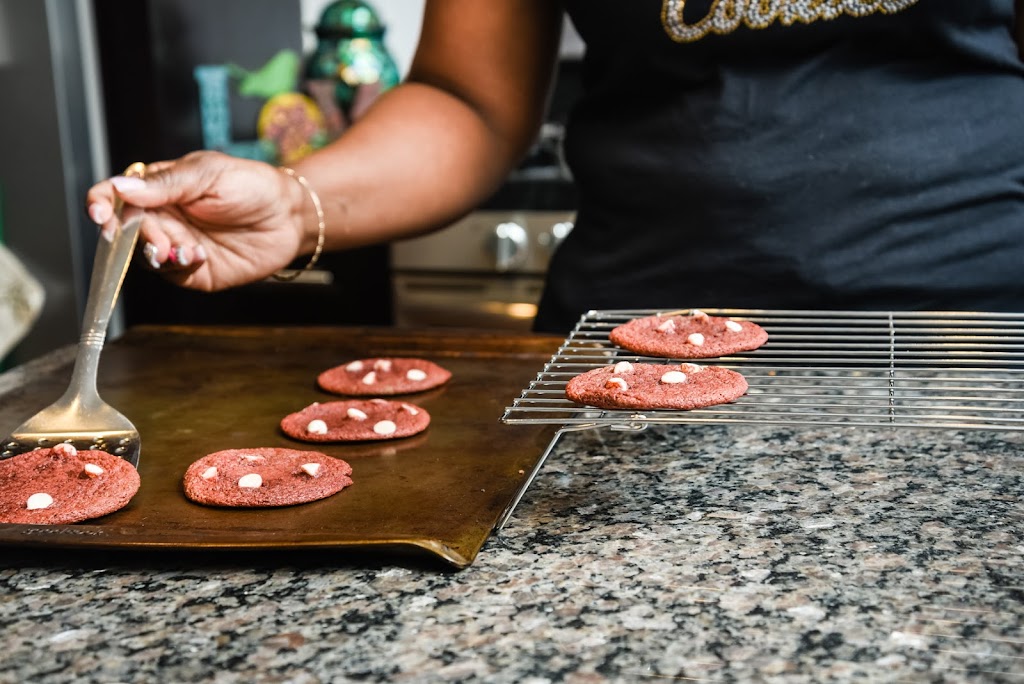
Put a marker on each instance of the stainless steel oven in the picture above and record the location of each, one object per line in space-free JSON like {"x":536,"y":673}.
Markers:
{"x":485,"y":271}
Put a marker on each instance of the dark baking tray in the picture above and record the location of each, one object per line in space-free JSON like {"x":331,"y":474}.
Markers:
{"x":194,"y":390}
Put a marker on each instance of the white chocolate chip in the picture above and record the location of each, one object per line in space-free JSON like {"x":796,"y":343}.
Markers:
{"x":250,"y":481}
{"x":413,"y":411}
{"x":311,"y":469}
{"x":385,"y":427}
{"x":39,"y":501}
{"x":698,"y":314}
{"x":317,"y":427}
{"x":66,"y":449}
{"x":209,"y":473}
{"x":416,"y":375}
{"x":616,"y":382}
{"x":383,"y":365}
{"x":623,"y":367}
{"x":691,"y":367}
{"x":252,"y":457}
{"x":354,"y":367}
{"x":673,"y":377}
{"x":668,"y":327}
{"x":733,"y":326}
{"x":696,"y":339}
{"x":355,"y":414}
{"x":380,"y":402}
{"x":93,"y":470}
{"x":370,"y":378}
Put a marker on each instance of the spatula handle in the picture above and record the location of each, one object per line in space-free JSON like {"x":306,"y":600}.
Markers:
{"x":108,"y":271}
{"x":109,"y":268}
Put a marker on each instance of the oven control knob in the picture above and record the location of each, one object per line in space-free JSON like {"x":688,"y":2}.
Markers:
{"x":559,"y":231}
{"x":511,"y":246}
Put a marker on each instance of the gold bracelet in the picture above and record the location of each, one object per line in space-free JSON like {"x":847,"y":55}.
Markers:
{"x":321,"y":227}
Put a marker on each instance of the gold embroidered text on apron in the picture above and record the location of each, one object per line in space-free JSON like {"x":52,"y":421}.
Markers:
{"x":725,"y":16}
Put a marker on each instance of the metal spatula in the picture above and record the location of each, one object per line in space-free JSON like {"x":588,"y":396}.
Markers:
{"x":81,"y":417}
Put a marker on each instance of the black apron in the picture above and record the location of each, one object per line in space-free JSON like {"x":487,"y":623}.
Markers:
{"x":868,"y":160}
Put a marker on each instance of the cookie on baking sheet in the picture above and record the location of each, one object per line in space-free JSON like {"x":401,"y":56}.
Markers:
{"x":693,"y":335}
{"x":355,"y":420}
{"x":383,"y":376}
{"x":266,"y":477}
{"x":61,"y":485}
{"x":656,"y":386}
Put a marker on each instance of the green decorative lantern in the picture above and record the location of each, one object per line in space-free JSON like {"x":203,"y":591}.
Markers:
{"x":350,"y":52}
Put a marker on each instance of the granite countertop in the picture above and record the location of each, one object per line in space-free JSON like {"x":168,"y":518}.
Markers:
{"x":707,"y":553}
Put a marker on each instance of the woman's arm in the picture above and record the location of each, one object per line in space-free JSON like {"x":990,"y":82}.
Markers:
{"x":426,"y":152}
{"x":432,"y":148}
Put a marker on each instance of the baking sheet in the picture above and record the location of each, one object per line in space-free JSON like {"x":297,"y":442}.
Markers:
{"x":192,"y":391}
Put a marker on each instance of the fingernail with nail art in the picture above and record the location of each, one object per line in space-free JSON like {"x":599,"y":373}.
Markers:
{"x":149,"y":251}
{"x":199,"y":252}
{"x":180,"y":256}
{"x":127,"y":183}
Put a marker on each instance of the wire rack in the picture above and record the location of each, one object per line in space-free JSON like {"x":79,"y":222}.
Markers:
{"x":961,"y":370}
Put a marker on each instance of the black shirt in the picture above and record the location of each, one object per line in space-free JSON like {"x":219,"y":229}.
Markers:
{"x":868,"y":160}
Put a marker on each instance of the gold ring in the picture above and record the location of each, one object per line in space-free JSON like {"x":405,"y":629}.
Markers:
{"x":137,"y":169}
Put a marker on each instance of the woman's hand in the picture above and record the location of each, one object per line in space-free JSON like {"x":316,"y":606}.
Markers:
{"x":211,"y":221}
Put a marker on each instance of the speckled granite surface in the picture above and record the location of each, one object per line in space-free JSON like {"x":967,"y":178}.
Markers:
{"x":719,"y":554}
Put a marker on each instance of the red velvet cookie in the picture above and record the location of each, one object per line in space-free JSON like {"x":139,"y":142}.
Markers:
{"x":355,"y":420}
{"x":62,"y":485}
{"x":656,"y":386}
{"x":690,"y":336}
{"x":383,"y":376}
{"x":259,"y":478}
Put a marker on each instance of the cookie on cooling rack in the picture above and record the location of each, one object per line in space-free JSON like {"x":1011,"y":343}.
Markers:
{"x":692,"y":335}
{"x":356,"y":420}
{"x":383,"y":376}
{"x":656,"y":386}
{"x":265,"y":477}
{"x":62,"y":485}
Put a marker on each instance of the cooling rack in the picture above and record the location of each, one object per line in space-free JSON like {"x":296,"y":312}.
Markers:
{"x":961,"y":370}
{"x":954,"y":370}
